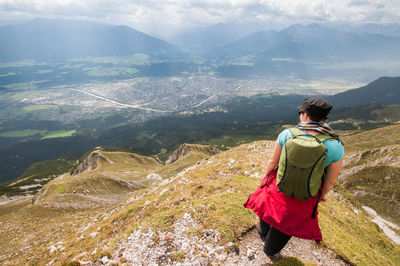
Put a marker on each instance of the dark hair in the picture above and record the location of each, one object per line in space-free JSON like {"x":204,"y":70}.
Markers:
{"x":315,"y":118}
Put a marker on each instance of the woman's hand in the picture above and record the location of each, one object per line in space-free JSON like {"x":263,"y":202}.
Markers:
{"x":323,"y":198}
{"x":330,"y":179}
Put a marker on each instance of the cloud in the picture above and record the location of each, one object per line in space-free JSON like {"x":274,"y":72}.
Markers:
{"x":170,"y":15}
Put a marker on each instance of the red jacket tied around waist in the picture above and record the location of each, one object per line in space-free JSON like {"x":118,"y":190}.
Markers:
{"x":289,"y":215}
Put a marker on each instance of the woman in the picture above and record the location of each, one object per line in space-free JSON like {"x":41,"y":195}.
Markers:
{"x":282,"y":216}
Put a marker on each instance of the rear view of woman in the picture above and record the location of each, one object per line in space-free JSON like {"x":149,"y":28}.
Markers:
{"x":288,"y":196}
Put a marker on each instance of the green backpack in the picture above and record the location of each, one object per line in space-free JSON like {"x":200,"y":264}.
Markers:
{"x":301,"y":165}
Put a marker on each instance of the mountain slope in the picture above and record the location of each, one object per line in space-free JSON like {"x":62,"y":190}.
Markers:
{"x":207,"y":37}
{"x":196,"y":215}
{"x":207,"y":199}
{"x":314,"y":42}
{"x":106,"y":178}
{"x":103,"y":178}
{"x":371,"y":170}
{"x":388,"y":29}
{"x":43,"y":39}
{"x":385,"y":90}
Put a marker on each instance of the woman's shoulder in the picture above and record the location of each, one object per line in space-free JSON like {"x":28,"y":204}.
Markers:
{"x":284,"y":136}
{"x":335,"y":149}
{"x":333,"y":143}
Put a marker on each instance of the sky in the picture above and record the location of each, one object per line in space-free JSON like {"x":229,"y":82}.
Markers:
{"x":167,"y":17}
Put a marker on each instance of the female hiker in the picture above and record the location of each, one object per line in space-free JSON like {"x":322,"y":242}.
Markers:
{"x":301,"y":171}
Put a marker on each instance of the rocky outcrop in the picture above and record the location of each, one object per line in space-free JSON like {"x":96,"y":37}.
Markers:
{"x":387,"y":156}
{"x":88,"y":164}
{"x":185,"y":149}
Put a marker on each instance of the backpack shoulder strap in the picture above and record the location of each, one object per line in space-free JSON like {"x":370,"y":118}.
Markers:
{"x":295,"y":132}
{"x":322,"y":137}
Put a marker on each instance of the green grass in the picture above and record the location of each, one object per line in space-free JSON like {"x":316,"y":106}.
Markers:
{"x":353,"y":236}
{"x":242,"y":64}
{"x":59,"y":134}
{"x":214,"y":197}
{"x":136,"y":59}
{"x":40,"y":107}
{"x":38,"y":173}
{"x":44,"y":71}
{"x":22,"y":63}
{"x":360,"y":65}
{"x":21,"y":86}
{"x":110,"y":72}
{"x":372,"y":139}
{"x":388,"y":112}
{"x":72,"y":66}
{"x":23,"y":133}
{"x":3,"y":75}
{"x":40,"y":111}
{"x":371,"y":171}
{"x":224,"y":212}
{"x":283,"y":59}
{"x":321,"y":85}
{"x":291,"y":261}
{"x":377,"y":187}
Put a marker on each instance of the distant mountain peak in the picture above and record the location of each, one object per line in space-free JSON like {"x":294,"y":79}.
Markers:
{"x":58,"y":39}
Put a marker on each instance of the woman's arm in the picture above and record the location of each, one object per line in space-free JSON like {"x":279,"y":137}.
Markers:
{"x":330,"y":179}
{"x":274,"y":159}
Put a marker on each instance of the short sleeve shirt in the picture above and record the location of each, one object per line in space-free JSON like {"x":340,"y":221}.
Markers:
{"x":335,"y":150}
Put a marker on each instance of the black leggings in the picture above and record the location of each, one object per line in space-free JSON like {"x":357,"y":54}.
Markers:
{"x":274,"y":241}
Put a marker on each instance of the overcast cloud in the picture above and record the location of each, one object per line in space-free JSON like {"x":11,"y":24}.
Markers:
{"x":163,"y":17}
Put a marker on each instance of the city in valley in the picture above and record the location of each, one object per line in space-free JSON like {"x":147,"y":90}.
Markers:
{"x":149,"y":97}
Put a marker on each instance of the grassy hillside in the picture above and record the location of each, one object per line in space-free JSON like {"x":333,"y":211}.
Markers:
{"x":207,"y":198}
{"x":37,"y":175}
{"x":365,"y":117}
{"x":372,"y":139}
{"x":102,"y":178}
{"x":105,"y":178}
{"x":371,"y":169}
{"x":70,"y":203}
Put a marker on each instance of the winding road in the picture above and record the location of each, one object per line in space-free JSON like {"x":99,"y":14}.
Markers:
{"x":121,"y":104}
{"x":138,"y":106}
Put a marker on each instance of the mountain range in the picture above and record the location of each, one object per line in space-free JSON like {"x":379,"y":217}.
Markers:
{"x":203,"y":39}
{"x":313,"y":42}
{"x":54,"y":40}
{"x":43,"y":39}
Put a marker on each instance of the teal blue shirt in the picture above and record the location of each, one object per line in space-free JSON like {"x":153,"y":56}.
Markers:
{"x":335,"y":150}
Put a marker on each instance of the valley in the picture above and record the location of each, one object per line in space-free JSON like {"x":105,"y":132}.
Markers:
{"x":171,"y":94}
{"x":35,"y":117}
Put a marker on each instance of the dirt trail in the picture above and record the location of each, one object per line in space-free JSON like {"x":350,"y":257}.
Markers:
{"x":179,"y":247}
{"x":251,"y":252}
